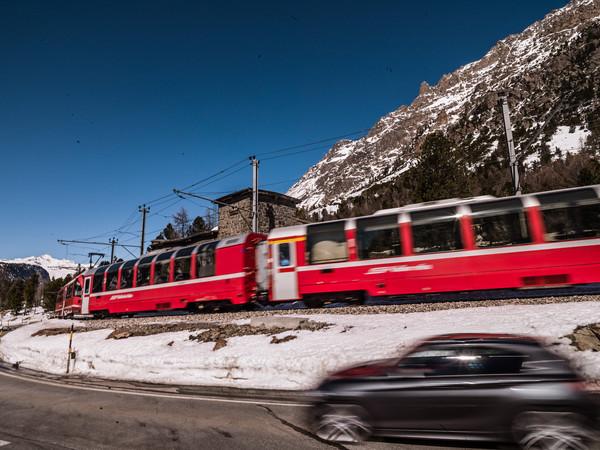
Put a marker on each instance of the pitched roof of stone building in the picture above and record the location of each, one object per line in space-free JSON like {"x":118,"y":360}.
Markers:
{"x":263,"y":196}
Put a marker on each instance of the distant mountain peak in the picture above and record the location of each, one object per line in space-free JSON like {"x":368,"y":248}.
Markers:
{"x":55,"y":268}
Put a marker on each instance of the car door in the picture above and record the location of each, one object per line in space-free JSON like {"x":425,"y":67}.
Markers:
{"x":444,"y":390}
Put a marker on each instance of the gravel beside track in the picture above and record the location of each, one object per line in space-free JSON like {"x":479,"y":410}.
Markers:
{"x":398,"y":308}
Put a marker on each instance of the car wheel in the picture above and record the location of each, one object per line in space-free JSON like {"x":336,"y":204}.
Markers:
{"x":341,"y":423}
{"x":551,"y":430}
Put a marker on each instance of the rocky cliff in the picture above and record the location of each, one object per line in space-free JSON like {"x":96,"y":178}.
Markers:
{"x":554,"y":62}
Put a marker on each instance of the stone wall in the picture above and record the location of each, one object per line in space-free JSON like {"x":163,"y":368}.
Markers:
{"x":274,"y":211}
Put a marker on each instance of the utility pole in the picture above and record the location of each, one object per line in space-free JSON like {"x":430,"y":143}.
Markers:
{"x":143,"y":210}
{"x":113,"y":241}
{"x":92,"y":254}
{"x":254,"y":162}
{"x":513,"y":161}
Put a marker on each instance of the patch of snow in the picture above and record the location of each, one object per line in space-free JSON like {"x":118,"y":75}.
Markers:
{"x":253,"y":362}
{"x":567,"y":141}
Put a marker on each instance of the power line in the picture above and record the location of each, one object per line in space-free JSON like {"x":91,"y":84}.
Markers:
{"x":311,"y":143}
{"x":133,"y":219}
{"x":296,"y":153}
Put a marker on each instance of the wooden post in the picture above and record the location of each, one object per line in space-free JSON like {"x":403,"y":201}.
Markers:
{"x":69,"y":354}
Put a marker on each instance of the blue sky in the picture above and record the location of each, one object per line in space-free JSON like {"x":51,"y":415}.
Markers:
{"x":109,"y":105}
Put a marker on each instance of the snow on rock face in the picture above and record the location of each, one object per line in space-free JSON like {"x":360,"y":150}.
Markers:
{"x":56,"y":268}
{"x":568,"y":140}
{"x":530,"y":67}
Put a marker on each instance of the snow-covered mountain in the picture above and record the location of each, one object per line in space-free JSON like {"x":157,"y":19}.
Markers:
{"x":554,"y":61}
{"x":50,"y":267}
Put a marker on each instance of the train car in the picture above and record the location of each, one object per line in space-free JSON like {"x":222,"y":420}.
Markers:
{"x":211,"y":273}
{"x":547,"y":239}
{"x":68,"y":299}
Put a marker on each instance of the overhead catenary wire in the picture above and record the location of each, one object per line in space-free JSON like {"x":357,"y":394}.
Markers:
{"x":167,"y":201}
{"x":311,"y":143}
{"x":295,"y":153}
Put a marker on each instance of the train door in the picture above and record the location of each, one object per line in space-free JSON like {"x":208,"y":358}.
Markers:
{"x":85,"y":297}
{"x":285,"y":278}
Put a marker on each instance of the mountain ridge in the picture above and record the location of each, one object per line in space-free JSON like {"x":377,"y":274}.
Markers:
{"x":556,"y":59}
{"x":46,"y":266}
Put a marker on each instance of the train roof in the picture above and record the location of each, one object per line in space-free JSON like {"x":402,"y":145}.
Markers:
{"x":527,"y":200}
{"x":153,"y":255}
{"x":286,"y":232}
{"x":437,"y":204}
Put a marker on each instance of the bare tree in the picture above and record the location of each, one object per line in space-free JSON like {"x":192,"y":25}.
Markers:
{"x":181,"y":222}
{"x":210,"y":218}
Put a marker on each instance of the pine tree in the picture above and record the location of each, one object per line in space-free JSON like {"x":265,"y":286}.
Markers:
{"x":197,"y":226}
{"x":15,"y":295}
{"x":169,"y":232}
{"x":4,"y":286}
{"x":30,"y":289}
{"x":440,"y":172}
{"x":50,"y":291}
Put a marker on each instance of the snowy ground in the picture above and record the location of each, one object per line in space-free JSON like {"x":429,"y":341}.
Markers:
{"x":254,"y":362}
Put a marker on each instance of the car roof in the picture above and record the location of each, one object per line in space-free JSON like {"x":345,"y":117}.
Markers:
{"x":482,"y":338}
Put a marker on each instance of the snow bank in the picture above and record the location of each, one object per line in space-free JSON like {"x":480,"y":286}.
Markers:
{"x":253,"y":362}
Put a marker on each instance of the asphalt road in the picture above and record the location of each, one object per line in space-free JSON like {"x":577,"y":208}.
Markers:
{"x":49,"y":414}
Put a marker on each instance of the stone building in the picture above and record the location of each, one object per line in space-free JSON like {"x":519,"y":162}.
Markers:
{"x":235,"y":217}
{"x":274,"y":210}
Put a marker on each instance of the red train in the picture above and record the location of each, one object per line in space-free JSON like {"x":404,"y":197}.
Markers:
{"x":547,"y":239}
{"x":183,"y":278}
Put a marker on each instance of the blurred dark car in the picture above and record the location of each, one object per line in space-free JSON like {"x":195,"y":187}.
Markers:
{"x":480,"y":387}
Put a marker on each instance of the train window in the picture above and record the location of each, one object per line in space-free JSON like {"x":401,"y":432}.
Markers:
{"x":127,"y":274}
{"x":205,"y":260}
{"x":86,"y":286}
{"x":70,"y":290}
{"x":182,"y":267}
{"x":500,"y":223}
{"x":436,"y":230}
{"x":143,"y":271}
{"x":326,"y":242}
{"x":162,"y":268}
{"x":59,"y":297}
{"x":378,"y":237}
{"x":77,"y":289}
{"x":97,"y":285}
{"x":570,"y":215}
{"x":284,"y":254}
{"x":112,"y":277}
{"x":183,"y":264}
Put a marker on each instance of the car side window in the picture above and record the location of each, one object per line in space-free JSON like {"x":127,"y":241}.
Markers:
{"x":431,"y":362}
{"x":489,"y":361}
{"x":462,"y":361}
